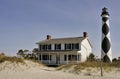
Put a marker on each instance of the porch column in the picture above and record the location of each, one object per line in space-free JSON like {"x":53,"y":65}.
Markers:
{"x":41,"y":57}
{"x":49,"y":57}
{"x":80,"y":56}
{"x":77,"y":57}
{"x":38,"y":57}
{"x":67,"y":58}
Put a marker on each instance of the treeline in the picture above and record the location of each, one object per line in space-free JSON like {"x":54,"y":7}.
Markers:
{"x":28,"y":54}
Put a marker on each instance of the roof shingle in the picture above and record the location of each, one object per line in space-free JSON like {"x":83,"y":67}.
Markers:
{"x":62,"y":40}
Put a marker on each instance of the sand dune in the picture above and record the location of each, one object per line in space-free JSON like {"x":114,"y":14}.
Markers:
{"x":32,"y":70}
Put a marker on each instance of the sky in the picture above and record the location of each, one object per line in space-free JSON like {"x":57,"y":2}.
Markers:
{"x":25,"y":22}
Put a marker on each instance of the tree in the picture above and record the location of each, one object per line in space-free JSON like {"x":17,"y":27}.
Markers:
{"x":35,"y":50}
{"x":26,"y":50}
{"x":114,"y":60}
{"x":118,"y":58}
{"x":91,"y":57}
{"x":2,"y":53}
{"x":35,"y":53}
{"x":28,"y":54}
{"x":20,"y":52}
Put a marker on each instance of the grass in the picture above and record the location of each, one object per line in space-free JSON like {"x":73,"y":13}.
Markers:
{"x":93,"y":64}
{"x":35,"y":61}
{"x":4,"y":58}
{"x":77,"y":68}
{"x":80,"y":65}
{"x":65,"y":66}
{"x":116,"y":64}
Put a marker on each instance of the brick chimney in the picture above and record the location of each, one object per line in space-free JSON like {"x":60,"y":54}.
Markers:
{"x":85,"y":34}
{"x":48,"y":37}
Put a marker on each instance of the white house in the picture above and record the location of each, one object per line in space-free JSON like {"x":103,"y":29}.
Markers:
{"x":58,"y":51}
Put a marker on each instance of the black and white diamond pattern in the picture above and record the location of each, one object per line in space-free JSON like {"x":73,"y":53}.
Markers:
{"x":105,"y":29}
{"x":106,"y":44}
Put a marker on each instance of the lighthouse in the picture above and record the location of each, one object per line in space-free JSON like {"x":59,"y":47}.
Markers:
{"x":106,"y":53}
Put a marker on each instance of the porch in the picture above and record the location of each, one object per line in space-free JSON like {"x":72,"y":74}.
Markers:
{"x":59,"y":58}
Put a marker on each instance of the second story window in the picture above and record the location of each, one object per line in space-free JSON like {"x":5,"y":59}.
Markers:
{"x":49,"y":47}
{"x":39,"y":47}
{"x":45,"y":47}
{"x":72,"y":46}
{"x":68,"y":46}
{"x":57,"y":46}
{"x":75,"y":46}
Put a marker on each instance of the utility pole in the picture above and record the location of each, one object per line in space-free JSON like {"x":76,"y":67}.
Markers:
{"x":101,"y":68}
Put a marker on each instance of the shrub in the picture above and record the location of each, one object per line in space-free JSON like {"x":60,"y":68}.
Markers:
{"x":4,"y":58}
{"x":114,"y":60}
{"x":91,"y":57}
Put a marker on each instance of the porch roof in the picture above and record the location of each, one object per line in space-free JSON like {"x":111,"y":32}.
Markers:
{"x":60,"y":51}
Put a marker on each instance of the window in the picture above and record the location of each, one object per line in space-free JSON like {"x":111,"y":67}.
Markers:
{"x":68,"y":46}
{"x":49,"y":47}
{"x":50,"y":57}
{"x":75,"y":46}
{"x":69,"y":57}
{"x":65,"y":57}
{"x":72,"y":57}
{"x":46,"y":57}
{"x":39,"y":57}
{"x":39,"y":47}
{"x":45,"y":47}
{"x":57,"y":46}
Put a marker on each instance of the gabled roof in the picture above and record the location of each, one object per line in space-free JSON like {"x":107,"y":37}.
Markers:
{"x":89,"y":42}
{"x":62,"y":40}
